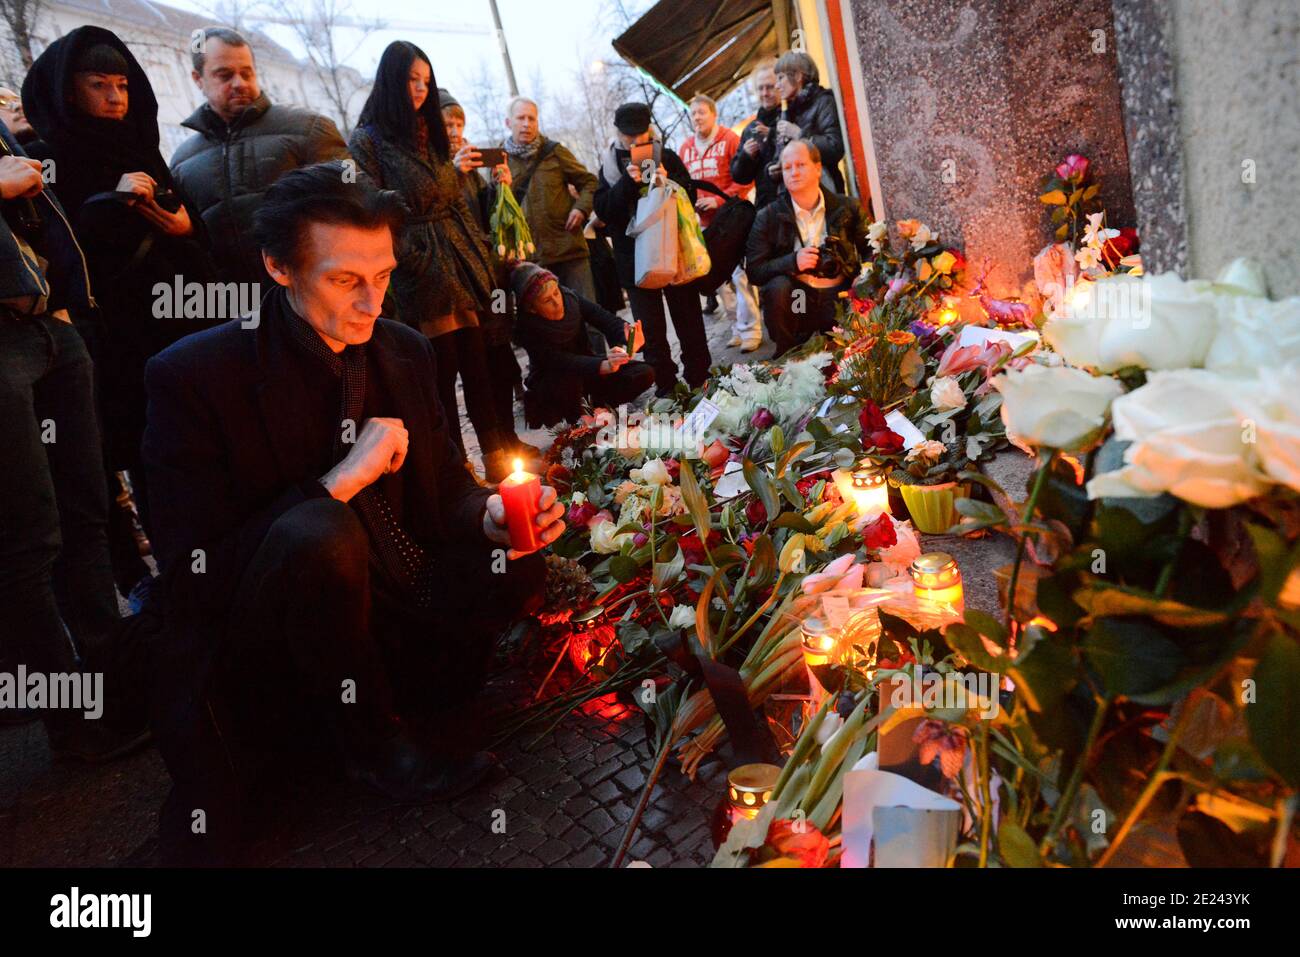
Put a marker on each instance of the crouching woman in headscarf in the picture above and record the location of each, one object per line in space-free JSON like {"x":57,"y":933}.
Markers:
{"x":562,"y":369}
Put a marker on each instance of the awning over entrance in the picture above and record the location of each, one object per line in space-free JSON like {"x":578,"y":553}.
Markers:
{"x":706,"y":46}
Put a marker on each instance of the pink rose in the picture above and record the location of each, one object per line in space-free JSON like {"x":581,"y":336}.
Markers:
{"x":580,"y":515}
{"x":1073,"y":165}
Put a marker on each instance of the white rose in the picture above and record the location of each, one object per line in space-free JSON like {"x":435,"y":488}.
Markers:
{"x":1243,"y":277}
{"x":603,"y":539}
{"x":654,"y":472}
{"x":1253,"y":333}
{"x":1188,"y":438}
{"x":946,"y":394}
{"x":1272,"y":413}
{"x":682,"y":616}
{"x":1055,"y":407}
{"x":1155,"y":322}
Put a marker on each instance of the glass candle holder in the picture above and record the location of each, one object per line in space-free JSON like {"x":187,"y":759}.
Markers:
{"x":869,"y":489}
{"x":749,"y":788}
{"x":936,"y":578}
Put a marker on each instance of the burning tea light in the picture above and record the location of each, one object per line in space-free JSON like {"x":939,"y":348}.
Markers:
{"x":869,"y":489}
{"x":521,"y":495}
{"x":818,"y":642}
{"x":936,"y":577}
{"x":749,"y":788}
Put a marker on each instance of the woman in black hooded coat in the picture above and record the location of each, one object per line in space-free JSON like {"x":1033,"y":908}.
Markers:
{"x":94,"y":110}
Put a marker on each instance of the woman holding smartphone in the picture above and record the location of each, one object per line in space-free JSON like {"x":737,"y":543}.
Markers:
{"x":96,"y":117}
{"x":444,"y":279}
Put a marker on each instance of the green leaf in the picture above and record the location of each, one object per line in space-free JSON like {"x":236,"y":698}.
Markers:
{"x":1274,"y":717}
{"x":1103,"y":601}
{"x":1016,"y":847}
{"x":793,"y":520}
{"x":1062,"y":231}
{"x":986,"y":514}
{"x":792,"y":453}
{"x":696,"y":504}
{"x":763,"y":487}
{"x":1091,"y":191}
{"x":665,"y":574}
{"x":912,"y":369}
{"x":623,"y":569}
{"x":967,"y":641}
{"x":987,"y":625}
{"x":1274,"y":566}
{"x":762,"y":564}
{"x":1131,"y":657}
{"x":1045,"y":674}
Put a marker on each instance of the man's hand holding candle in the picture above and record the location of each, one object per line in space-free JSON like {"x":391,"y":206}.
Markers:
{"x":549,"y":521}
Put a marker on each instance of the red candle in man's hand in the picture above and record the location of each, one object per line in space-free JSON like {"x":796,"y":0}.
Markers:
{"x":521,"y":495}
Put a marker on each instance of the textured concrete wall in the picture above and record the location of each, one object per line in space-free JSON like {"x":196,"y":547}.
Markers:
{"x":1238,"y":90}
{"x":997,"y":92}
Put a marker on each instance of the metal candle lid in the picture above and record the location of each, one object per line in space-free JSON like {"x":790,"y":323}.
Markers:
{"x":588,"y":616}
{"x":750,"y":785}
{"x":868,"y":476}
{"x":934,"y":569}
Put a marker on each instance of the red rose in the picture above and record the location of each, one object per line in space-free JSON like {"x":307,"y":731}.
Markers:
{"x":1125,"y":244}
{"x":755,"y":512}
{"x":871,"y":418}
{"x":862,"y":306}
{"x":674,"y":468}
{"x":884,"y":441}
{"x":693,"y":549}
{"x":800,"y":840}
{"x":880,"y":533}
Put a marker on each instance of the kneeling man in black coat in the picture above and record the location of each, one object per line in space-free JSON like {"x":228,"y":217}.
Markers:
{"x":327,"y":559}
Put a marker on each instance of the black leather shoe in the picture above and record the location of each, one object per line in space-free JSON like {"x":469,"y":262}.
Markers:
{"x":93,"y":742}
{"x":409,"y":774}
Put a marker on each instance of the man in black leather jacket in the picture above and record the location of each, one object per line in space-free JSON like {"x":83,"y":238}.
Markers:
{"x":804,"y":249}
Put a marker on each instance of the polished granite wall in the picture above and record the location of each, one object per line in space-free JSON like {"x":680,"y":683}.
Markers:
{"x":972,"y":103}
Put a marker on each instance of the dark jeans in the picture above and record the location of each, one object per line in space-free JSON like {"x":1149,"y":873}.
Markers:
{"x":792,"y":318}
{"x":463,"y":353}
{"x":611,"y":391}
{"x":503,"y":376}
{"x":576,"y":274}
{"x":688,"y":321}
{"x":54,"y":563}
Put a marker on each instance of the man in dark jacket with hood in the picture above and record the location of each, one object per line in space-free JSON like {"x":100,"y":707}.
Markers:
{"x":55,"y":578}
{"x":619,"y":189}
{"x":811,"y":114}
{"x":242,"y":144}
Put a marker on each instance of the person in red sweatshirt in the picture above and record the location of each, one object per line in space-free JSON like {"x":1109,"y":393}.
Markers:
{"x":708,"y":156}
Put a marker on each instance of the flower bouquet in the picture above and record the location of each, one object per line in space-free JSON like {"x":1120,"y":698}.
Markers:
{"x":510,"y":233}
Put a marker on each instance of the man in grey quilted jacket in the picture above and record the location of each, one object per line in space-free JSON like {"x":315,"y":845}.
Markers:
{"x":241,"y":145}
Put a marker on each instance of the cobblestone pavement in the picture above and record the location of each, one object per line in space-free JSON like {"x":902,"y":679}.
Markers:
{"x":566,"y":803}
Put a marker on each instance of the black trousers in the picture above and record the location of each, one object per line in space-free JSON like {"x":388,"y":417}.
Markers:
{"x":463,"y":353}
{"x":318,"y":649}
{"x":688,"y":322}
{"x":54,"y":562}
{"x":503,"y":376}
{"x":793,"y":311}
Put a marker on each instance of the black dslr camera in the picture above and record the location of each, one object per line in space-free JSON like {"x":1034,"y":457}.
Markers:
{"x":836,"y":258}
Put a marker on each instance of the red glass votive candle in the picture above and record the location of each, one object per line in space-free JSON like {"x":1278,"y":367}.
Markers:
{"x":521,"y":495}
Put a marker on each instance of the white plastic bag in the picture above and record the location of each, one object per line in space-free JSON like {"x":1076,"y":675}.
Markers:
{"x":655,"y":230}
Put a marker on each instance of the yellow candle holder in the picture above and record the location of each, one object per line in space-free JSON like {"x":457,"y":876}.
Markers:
{"x":749,"y":787}
{"x":936,"y":578}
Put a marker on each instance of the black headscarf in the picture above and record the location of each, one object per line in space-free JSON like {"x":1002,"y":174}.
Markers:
{"x":92,"y":153}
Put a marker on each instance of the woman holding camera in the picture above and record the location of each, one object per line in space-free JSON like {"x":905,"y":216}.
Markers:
{"x":95,"y":113}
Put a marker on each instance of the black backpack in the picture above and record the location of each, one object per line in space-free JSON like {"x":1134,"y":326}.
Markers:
{"x":725,"y":237}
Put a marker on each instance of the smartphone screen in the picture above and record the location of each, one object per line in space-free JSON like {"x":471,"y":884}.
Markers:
{"x":491,"y":156}
{"x":642,"y":152}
